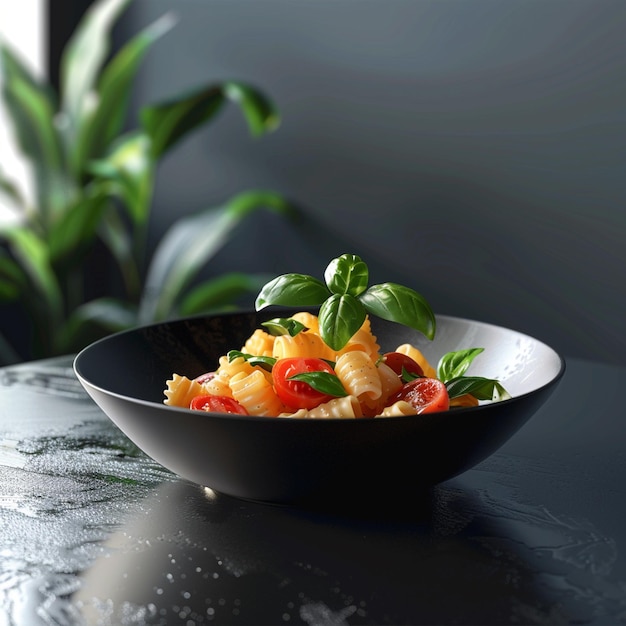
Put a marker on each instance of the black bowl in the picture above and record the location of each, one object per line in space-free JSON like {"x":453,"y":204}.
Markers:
{"x":306,"y":460}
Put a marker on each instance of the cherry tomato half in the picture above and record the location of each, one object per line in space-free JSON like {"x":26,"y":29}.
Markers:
{"x":398,"y":361}
{"x":297,"y":394}
{"x":427,"y":395}
{"x":217,"y":404}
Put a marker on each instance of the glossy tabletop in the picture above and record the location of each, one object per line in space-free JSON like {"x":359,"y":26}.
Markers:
{"x":94,"y":532}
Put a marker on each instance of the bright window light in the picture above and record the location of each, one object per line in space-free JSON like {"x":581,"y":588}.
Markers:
{"x":22,"y":28}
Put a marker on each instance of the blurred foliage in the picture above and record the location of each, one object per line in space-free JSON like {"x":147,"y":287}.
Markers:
{"x":94,"y":180}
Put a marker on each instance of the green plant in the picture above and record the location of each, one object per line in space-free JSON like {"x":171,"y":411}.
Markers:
{"x":94,"y":181}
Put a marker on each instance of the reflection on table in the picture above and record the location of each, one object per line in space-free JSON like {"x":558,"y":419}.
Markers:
{"x":93,"y":531}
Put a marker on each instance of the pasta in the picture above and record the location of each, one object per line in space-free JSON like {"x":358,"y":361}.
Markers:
{"x":347,"y":406}
{"x":255,"y":393}
{"x":306,"y":344}
{"x":300,"y":376}
{"x":359,"y":375}
{"x":181,"y":391}
{"x":363,"y":340}
{"x":418,"y":357}
{"x":398,"y":408}
{"x":260,"y":343}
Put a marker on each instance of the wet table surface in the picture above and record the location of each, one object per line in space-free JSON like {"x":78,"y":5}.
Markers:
{"x":94,"y":532}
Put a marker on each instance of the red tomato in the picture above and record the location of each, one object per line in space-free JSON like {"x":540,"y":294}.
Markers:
{"x":396,"y":361}
{"x":296,"y":394}
{"x":427,"y":395}
{"x":217,"y":404}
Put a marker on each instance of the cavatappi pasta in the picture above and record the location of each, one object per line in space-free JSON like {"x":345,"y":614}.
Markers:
{"x":369,"y":384}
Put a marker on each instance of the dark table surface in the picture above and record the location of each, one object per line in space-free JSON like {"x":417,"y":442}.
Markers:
{"x":94,"y":532}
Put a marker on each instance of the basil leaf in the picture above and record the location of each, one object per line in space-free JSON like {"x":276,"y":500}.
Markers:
{"x":407,"y":377}
{"x":292,"y":290}
{"x":347,"y":274}
{"x":455,"y":364}
{"x":339,"y":318}
{"x":479,"y":387}
{"x":324,"y":382}
{"x":402,"y":305}
{"x":345,"y":300}
{"x":265,"y":362}
{"x":284,"y":326}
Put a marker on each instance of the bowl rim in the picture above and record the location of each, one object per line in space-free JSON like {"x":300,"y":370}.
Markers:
{"x":81,"y":355}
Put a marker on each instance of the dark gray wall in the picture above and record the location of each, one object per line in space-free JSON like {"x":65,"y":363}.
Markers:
{"x":474,"y":149}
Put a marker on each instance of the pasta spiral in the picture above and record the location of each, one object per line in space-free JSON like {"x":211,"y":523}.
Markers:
{"x":362,"y":340}
{"x":181,"y":390}
{"x":304,"y":344}
{"x":255,"y":393}
{"x":398,"y":408}
{"x":347,"y":406}
{"x":260,"y":343}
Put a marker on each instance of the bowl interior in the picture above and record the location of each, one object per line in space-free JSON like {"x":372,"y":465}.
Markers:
{"x":137,"y":363}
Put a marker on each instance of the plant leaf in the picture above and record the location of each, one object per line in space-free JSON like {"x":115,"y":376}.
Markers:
{"x":347,"y":274}
{"x":402,"y":305}
{"x":190,"y":243}
{"x":11,"y":278}
{"x":114,"y":234}
{"x":477,"y":386}
{"x":340,"y":316}
{"x":168,"y":122}
{"x":219,"y":292}
{"x":105,"y":315}
{"x":31,"y":253}
{"x":455,"y":364}
{"x":102,"y":122}
{"x":84,"y":55}
{"x":259,"y":111}
{"x":11,"y":191}
{"x":32,"y":110}
{"x":71,"y":235}
{"x":130,"y":171}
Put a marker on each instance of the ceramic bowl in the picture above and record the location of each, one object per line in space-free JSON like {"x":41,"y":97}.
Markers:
{"x":293,"y":461}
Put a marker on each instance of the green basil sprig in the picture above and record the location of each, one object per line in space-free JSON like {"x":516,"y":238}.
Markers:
{"x":324,"y":382}
{"x":455,"y":364}
{"x":266,"y":362}
{"x":407,"y":377}
{"x":477,"y":386}
{"x":451,"y":371}
{"x":345,"y":300}
{"x":284,"y":326}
